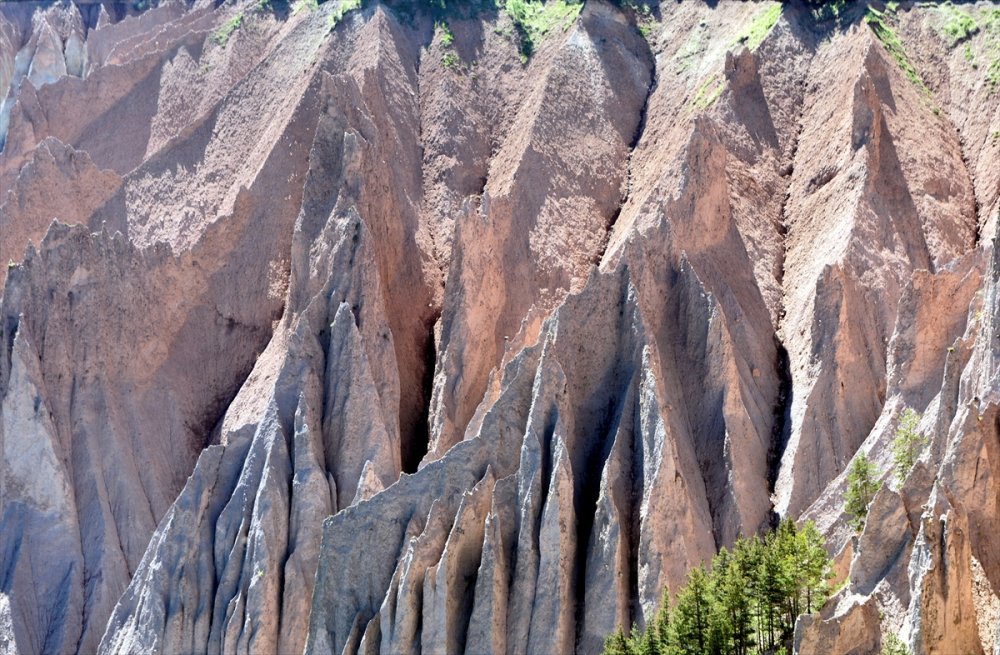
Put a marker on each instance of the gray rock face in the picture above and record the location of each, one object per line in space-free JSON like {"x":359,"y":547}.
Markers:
{"x":546,"y":205}
{"x":29,"y":207}
{"x":880,"y":242}
{"x":38,"y":47}
{"x":559,"y":543}
{"x":352,"y":337}
{"x":46,"y":564}
{"x":856,"y":631}
{"x":100,"y":439}
{"x":125,"y":426}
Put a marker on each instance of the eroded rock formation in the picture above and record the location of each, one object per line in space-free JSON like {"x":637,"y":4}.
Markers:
{"x":325,"y":333}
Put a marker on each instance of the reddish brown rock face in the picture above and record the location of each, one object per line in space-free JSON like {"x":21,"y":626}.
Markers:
{"x":323,"y":331}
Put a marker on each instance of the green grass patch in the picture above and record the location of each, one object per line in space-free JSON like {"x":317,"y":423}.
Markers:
{"x":760,"y":26}
{"x":993,"y":73}
{"x":447,"y":36}
{"x":692,"y":50}
{"x":342,"y":10}
{"x":991,"y":28}
{"x":992,"y":22}
{"x":969,"y":56}
{"x":221,"y":36}
{"x":958,"y":26}
{"x":304,"y":5}
{"x":708,"y":92}
{"x":890,"y":40}
{"x":533,"y":19}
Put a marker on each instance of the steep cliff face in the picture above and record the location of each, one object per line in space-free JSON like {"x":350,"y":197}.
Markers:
{"x":337,"y":329}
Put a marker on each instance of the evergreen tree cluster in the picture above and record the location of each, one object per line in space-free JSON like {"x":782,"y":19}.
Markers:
{"x":745,"y":604}
{"x":864,"y":478}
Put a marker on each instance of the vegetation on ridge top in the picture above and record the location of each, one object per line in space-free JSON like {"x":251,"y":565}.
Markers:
{"x":533,"y":19}
{"x":761,"y":26}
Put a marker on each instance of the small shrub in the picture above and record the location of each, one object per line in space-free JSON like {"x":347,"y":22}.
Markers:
{"x":828,"y":10}
{"x":222,"y":35}
{"x":908,"y":444}
{"x":533,"y":19}
{"x":304,"y":5}
{"x":447,"y":36}
{"x":960,"y":25}
{"x":991,"y":29}
{"x":342,"y":9}
{"x":993,"y":73}
{"x":450,"y":58}
{"x":862,"y":484}
{"x":893,"y":645}
{"x":969,"y":56}
{"x":644,"y":19}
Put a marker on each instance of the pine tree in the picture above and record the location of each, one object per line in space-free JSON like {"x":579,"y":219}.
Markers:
{"x":661,"y":625}
{"x":640,"y":642}
{"x":750,"y":555}
{"x":791,"y":580}
{"x":908,"y":443}
{"x":777,"y":588}
{"x":616,"y":644}
{"x":746,"y":605}
{"x":861,"y":487}
{"x":690,"y":628}
{"x":732,"y":592}
{"x":815,"y":565}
